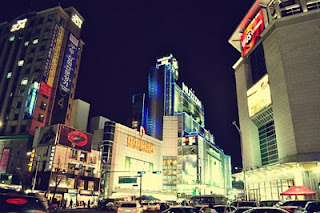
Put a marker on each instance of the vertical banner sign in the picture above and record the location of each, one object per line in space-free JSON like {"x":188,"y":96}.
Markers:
{"x":4,"y":160}
{"x":65,"y":81}
{"x":252,"y":33}
{"x":52,"y":61}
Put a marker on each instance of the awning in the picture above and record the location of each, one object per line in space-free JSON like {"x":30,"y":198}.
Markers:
{"x":298,"y":190}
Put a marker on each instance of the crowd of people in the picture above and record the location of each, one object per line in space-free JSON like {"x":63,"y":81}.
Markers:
{"x":65,"y":204}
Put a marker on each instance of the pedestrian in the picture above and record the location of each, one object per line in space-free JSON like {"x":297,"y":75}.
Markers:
{"x":162,"y":207}
{"x":88,"y":204}
{"x":71,"y":202}
{"x":84,"y":204}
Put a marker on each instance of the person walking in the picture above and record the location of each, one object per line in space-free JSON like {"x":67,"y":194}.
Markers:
{"x":88,"y":204}
{"x":71,"y":202}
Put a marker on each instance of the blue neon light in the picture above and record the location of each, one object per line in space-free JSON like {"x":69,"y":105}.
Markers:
{"x":33,"y":101}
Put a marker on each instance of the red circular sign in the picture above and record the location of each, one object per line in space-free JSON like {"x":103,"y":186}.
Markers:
{"x":77,"y":137}
{"x":16,"y":201}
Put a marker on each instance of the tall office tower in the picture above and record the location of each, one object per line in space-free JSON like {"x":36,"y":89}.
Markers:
{"x":138,"y":111}
{"x":40,"y":54}
{"x":277,"y":79}
{"x":160,"y":93}
{"x":192,"y":163}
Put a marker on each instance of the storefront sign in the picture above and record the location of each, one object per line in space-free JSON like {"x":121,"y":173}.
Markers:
{"x":19,"y":25}
{"x":140,"y":145}
{"x":259,"y":96}
{"x":53,"y":150}
{"x":33,"y":100}
{"x":85,"y":192}
{"x":252,"y":33}
{"x":191,"y":94}
{"x":4,"y":160}
{"x":73,"y":191}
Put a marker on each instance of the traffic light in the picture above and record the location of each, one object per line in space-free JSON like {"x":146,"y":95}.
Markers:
{"x":156,"y":172}
{"x":141,"y":172}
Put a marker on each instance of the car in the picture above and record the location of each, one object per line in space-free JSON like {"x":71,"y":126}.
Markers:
{"x":130,"y":207}
{"x":21,"y":202}
{"x":268,"y":203}
{"x":244,"y":203}
{"x":153,"y":206}
{"x":224,"y":208}
{"x":242,"y":209}
{"x":266,"y":210}
{"x":182,"y":209}
{"x":292,"y":205}
{"x":312,"y":206}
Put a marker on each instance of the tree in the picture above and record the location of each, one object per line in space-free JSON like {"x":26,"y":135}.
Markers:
{"x":58,"y":176}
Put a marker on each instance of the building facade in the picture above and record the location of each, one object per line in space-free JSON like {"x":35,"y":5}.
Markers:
{"x":40,"y":54}
{"x":66,"y":164}
{"x":278,"y":95}
{"x":125,"y":152}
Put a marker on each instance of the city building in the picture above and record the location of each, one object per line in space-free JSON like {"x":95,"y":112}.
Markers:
{"x":125,"y":153}
{"x":40,"y":54}
{"x":80,"y":114}
{"x":277,"y":78}
{"x":175,"y":115}
{"x":64,"y":164}
{"x":138,"y":111}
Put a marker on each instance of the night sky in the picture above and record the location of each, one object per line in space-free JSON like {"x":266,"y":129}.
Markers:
{"x":124,"y":38}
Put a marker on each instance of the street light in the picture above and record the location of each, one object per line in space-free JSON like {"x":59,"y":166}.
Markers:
{"x":36,"y":173}
{"x":234,"y":123}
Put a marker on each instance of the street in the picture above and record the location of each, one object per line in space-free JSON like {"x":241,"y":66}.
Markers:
{"x":93,"y":210}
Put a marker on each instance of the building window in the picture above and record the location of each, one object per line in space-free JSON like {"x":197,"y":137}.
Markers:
{"x":43,"y":106}
{"x":23,"y":128}
{"x":13,"y":129}
{"x":26,"y":43}
{"x":24,"y":81}
{"x":83,"y":157}
{"x":35,"y":41}
{"x":20,"y":63}
{"x":9,"y":74}
{"x":41,"y":118}
{"x":74,"y":154}
{"x":11,"y":38}
{"x":16,"y":117}
{"x":258,"y":64}
{"x":21,"y":92}
{"x":18,"y":105}
{"x":268,"y":144}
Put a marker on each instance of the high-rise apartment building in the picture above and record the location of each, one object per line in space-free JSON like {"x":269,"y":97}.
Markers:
{"x":277,"y":79}
{"x":40,"y":54}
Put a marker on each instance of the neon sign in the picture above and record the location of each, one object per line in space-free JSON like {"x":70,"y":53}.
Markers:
{"x":252,"y":33}
{"x":19,"y":25}
{"x":139,"y":145}
{"x":76,"y":20}
{"x":33,"y":99}
{"x":191,"y":95}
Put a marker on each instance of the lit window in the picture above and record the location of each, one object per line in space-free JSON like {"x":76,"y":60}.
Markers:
{"x":24,"y":81}
{"x":36,"y":41}
{"x":41,"y":118}
{"x":11,"y":38}
{"x":20,"y":63}
{"x":26,"y":43}
{"x":43,"y":106}
{"x":9,"y":74}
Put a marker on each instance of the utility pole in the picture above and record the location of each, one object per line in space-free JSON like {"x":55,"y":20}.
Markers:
{"x":234,"y":123}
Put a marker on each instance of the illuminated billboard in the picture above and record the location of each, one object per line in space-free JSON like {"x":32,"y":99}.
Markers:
{"x":4,"y":160}
{"x":259,"y":96}
{"x":47,"y":135}
{"x":142,"y":146}
{"x":189,"y":169}
{"x":52,"y":61}
{"x":184,"y":103}
{"x":252,"y":33}
{"x":189,"y":140}
{"x":65,"y":81}
{"x":75,"y":138}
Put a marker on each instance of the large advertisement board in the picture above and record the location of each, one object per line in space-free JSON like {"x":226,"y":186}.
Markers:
{"x":252,"y":33}
{"x":47,"y":135}
{"x":65,"y":81}
{"x":75,"y":138}
{"x":189,"y":169}
{"x":259,"y":96}
{"x":52,"y":61}
{"x":4,"y":160}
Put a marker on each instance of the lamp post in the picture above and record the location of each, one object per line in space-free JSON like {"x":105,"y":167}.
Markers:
{"x":37,"y":167}
{"x":234,"y":123}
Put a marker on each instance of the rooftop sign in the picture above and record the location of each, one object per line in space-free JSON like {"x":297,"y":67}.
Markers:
{"x":19,"y":25}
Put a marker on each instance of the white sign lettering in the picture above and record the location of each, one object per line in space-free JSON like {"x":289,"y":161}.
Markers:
{"x":19,"y":25}
{"x":76,"y":20}
{"x":191,"y":94}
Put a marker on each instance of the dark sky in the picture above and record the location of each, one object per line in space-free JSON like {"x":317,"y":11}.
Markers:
{"x":124,"y":38}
